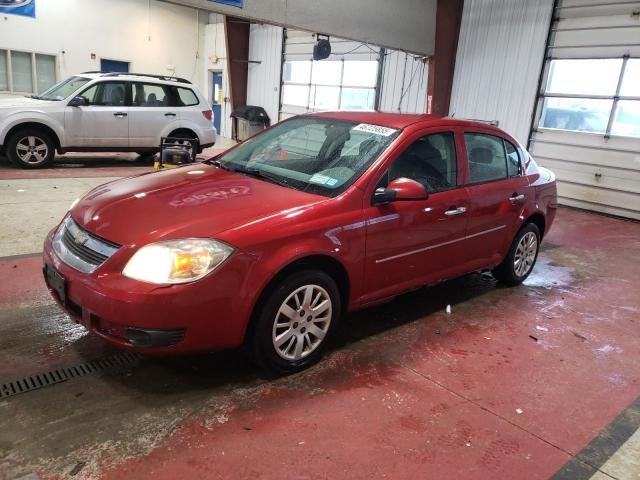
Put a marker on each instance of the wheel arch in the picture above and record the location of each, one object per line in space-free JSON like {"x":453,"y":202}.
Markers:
{"x":324,"y":263}
{"x":539,"y":221}
{"x":36,"y":125}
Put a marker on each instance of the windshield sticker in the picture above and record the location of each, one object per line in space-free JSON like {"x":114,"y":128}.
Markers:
{"x":320,"y":179}
{"x":375,"y":129}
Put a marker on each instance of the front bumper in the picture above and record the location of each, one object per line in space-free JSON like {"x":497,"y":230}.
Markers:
{"x":210,"y":314}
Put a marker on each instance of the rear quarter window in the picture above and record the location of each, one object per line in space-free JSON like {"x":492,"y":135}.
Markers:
{"x":187,"y":97}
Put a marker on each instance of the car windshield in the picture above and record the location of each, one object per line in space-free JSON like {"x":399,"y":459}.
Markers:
{"x":65,"y":88}
{"x":316,"y":155}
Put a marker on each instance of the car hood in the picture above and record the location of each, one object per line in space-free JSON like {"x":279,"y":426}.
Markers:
{"x":195,"y":201}
{"x":22,"y":102}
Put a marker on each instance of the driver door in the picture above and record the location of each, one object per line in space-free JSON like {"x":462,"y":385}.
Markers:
{"x":104,"y":122}
{"x":412,"y":243}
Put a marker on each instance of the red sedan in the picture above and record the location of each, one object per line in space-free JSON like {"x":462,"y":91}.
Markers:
{"x":269,"y":243}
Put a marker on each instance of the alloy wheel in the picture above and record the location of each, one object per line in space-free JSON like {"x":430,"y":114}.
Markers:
{"x":525,"y":254}
{"x":302,"y":322}
{"x":32,"y":150}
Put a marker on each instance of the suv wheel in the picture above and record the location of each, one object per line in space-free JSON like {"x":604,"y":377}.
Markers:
{"x":522,"y":256}
{"x":30,"y":148}
{"x":296,"y":321}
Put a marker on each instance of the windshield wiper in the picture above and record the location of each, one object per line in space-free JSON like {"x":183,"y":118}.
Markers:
{"x":33,"y":96}
{"x":219,"y":164}
{"x":258,"y":173}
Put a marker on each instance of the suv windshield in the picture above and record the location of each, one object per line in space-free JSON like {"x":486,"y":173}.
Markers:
{"x":312,"y":154}
{"x":65,"y":88}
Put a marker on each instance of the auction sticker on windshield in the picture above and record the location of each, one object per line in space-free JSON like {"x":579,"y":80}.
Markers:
{"x":375,"y":129}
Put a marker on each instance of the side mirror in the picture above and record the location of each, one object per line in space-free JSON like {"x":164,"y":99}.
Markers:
{"x":78,"y":101}
{"x":400,"y":189}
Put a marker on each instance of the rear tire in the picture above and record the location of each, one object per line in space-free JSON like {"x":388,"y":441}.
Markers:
{"x":295,"y":323}
{"x":522,"y":256}
{"x":30,"y":148}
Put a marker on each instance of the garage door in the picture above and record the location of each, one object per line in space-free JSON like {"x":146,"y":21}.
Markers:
{"x":587,"y":122}
{"x":345,"y":81}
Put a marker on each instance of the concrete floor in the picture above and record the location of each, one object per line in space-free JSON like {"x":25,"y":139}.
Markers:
{"x":526,"y":382}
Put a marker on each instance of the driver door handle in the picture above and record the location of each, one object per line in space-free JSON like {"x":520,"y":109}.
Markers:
{"x":170,"y":114}
{"x":120,"y":114}
{"x":455,"y":211}
{"x":516,"y":198}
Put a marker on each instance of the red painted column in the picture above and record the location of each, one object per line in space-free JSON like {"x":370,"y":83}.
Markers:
{"x":236,"y":31}
{"x":443,"y":62}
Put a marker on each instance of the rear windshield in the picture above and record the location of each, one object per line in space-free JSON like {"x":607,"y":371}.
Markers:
{"x":316,"y":155}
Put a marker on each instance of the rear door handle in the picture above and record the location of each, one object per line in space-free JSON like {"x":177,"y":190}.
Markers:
{"x":120,"y":114}
{"x":170,"y":114}
{"x":455,"y":211}
{"x":516,"y":198}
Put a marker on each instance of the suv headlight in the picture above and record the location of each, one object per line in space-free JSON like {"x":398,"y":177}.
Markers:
{"x":177,"y":261}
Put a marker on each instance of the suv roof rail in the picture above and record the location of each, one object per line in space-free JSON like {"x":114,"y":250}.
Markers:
{"x":166,"y":78}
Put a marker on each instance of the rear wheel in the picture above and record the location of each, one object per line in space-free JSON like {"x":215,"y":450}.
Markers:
{"x":522,"y":256}
{"x":295,"y":322}
{"x":30,"y":148}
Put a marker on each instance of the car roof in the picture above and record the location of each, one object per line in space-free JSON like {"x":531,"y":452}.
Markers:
{"x":403,"y":120}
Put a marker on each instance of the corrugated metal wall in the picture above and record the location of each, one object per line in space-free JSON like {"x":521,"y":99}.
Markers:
{"x":500,"y":54}
{"x":404,"y":83}
{"x":263,"y":87}
{"x":593,"y":171}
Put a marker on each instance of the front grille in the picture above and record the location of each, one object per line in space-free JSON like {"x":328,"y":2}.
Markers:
{"x":80,"y":248}
{"x":82,"y":251}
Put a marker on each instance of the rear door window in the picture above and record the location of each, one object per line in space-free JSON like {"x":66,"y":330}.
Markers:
{"x":487,"y":157}
{"x":513,"y":160}
{"x":149,"y":95}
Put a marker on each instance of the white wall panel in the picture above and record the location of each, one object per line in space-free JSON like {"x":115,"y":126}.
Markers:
{"x":401,"y":24}
{"x":500,"y":54}
{"x":404,"y":83}
{"x":154,"y":37}
{"x":263,"y":88}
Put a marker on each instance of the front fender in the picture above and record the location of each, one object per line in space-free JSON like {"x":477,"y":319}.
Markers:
{"x":30,"y":116}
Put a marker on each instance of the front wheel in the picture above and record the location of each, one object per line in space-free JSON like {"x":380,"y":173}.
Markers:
{"x":30,"y":148}
{"x":295,"y":322}
{"x":522,"y":256}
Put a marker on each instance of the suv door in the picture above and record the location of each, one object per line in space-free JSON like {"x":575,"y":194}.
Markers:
{"x":411,"y":243}
{"x":104,"y":121}
{"x":151,"y":114}
{"x":497,"y":196}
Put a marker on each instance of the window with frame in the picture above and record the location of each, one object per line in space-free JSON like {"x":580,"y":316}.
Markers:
{"x":149,"y":95}
{"x":430,"y":160}
{"x":487,"y":158}
{"x":600,"y":96}
{"x":30,"y":72}
{"x":330,"y":84}
{"x":186,"y":97}
{"x":106,"y":94}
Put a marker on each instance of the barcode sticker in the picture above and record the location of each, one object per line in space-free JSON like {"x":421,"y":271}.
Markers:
{"x":375,"y":129}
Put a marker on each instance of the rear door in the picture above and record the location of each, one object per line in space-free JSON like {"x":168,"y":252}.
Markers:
{"x":152,"y":114}
{"x":411,"y":243}
{"x":104,"y":122}
{"x":497,"y":194}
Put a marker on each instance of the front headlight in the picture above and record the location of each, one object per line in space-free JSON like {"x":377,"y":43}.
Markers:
{"x":177,"y":261}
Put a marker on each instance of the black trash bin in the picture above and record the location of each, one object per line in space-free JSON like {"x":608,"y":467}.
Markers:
{"x":249,"y":120}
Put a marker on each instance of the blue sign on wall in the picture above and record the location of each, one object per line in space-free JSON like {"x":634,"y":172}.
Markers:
{"x":233,"y":3}
{"x":18,"y":7}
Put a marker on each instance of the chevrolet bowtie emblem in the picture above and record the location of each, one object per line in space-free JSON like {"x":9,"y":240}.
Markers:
{"x":80,"y":237}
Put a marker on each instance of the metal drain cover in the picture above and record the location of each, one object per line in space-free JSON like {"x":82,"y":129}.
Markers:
{"x":59,"y":375}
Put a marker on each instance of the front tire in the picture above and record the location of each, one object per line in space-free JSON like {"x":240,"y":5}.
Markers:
{"x":522,"y":256}
{"x":30,"y":148}
{"x":295,"y":322}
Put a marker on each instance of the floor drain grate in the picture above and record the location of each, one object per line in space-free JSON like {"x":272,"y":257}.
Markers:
{"x":59,"y":375}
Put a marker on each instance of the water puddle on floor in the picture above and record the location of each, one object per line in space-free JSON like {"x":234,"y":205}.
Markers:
{"x":547,"y":275}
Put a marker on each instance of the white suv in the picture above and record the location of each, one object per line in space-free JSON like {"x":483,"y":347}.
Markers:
{"x":103,"y":112}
